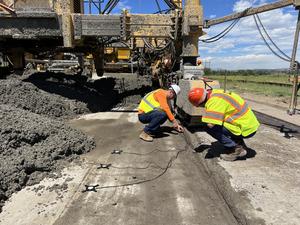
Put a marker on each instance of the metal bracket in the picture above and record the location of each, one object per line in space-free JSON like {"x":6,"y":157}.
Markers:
{"x":104,"y":166}
{"x":287,"y":132}
{"x":89,"y":188}
{"x":116,"y":152}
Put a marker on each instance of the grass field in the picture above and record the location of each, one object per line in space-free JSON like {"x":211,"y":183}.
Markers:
{"x":258,"y":84}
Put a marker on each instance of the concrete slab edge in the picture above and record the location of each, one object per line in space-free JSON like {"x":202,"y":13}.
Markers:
{"x":238,"y":202}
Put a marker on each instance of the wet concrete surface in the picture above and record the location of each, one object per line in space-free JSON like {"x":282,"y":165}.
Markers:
{"x":181,"y":194}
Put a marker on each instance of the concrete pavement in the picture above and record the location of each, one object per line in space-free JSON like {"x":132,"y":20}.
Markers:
{"x":181,"y":194}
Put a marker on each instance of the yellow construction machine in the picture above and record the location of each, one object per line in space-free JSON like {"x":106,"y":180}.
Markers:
{"x":163,"y":45}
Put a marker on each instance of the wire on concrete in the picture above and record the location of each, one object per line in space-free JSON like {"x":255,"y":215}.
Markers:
{"x":169,"y":165}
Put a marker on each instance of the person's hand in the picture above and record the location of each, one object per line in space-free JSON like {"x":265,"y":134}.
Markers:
{"x":177,"y":126}
{"x":210,"y":125}
{"x":180,"y":129}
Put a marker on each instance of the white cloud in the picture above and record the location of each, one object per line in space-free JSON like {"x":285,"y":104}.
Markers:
{"x":123,"y":4}
{"x":250,"y":61}
{"x":245,"y":42}
{"x":242,"y":5}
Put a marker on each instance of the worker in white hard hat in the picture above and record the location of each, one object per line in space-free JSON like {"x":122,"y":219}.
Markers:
{"x":154,"y":110}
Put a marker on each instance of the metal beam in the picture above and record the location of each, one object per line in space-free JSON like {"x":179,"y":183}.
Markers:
{"x":29,"y":25}
{"x":249,"y":12}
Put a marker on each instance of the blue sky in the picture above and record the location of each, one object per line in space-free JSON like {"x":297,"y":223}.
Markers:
{"x":243,"y":47}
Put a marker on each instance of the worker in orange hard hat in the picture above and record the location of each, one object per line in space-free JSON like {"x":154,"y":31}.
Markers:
{"x":228,"y":117}
{"x":154,"y":110}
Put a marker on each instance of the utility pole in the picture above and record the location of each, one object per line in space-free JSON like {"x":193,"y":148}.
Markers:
{"x":294,"y":67}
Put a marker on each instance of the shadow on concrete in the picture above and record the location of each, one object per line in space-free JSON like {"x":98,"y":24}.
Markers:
{"x":165,"y":131}
{"x":216,"y":149}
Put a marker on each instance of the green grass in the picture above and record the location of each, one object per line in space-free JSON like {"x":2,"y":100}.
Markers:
{"x":280,"y":78}
{"x":234,"y":84}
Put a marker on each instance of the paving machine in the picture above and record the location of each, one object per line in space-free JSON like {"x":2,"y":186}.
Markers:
{"x":164,"y":45}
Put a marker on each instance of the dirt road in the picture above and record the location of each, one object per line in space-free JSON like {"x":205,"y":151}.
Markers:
{"x":180,"y":194}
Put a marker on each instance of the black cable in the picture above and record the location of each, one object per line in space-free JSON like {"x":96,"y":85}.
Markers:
{"x":172,"y":4}
{"x":169,"y":165}
{"x":271,"y":38}
{"x":130,"y":167}
{"x":227,"y":30}
{"x":151,"y":47}
{"x":113,"y":6}
{"x":151,"y":164}
{"x":176,"y":6}
{"x":158,"y":6}
{"x":223,"y":33}
{"x":272,"y":50}
{"x":169,"y":4}
{"x":148,"y":153}
{"x":166,"y":11}
{"x":108,"y":4}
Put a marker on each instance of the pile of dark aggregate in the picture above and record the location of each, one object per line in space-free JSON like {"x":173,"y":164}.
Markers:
{"x":31,"y":146}
{"x":132,"y":88}
{"x":58,"y":96}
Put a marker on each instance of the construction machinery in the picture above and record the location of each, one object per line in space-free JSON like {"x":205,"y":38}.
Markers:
{"x":163,"y":44}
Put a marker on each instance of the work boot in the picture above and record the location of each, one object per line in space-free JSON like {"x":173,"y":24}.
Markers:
{"x":146,"y":137}
{"x":238,"y":152}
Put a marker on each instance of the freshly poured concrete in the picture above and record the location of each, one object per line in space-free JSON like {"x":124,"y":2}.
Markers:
{"x":185,"y":194}
{"x":199,"y":188}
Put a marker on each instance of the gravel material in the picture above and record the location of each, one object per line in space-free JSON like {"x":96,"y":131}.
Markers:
{"x":30,"y":146}
{"x":47,"y":95}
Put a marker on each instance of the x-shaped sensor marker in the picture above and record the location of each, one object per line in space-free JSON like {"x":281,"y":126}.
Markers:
{"x":103,"y":166}
{"x":89,"y":188}
{"x":117,"y":152}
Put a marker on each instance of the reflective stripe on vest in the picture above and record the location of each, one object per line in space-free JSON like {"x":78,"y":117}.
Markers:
{"x":147,"y":102}
{"x":238,"y":114}
{"x":240,"y":109}
{"x":227,"y":98}
{"x":214,"y":115}
{"x":232,"y":112}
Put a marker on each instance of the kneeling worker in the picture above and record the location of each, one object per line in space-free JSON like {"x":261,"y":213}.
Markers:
{"x":154,"y":110}
{"x":228,"y":117}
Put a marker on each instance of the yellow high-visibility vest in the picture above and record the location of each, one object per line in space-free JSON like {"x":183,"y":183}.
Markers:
{"x":231,"y":111}
{"x":149,"y":103}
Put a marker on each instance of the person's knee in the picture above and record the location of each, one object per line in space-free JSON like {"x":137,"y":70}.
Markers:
{"x":142,"y":118}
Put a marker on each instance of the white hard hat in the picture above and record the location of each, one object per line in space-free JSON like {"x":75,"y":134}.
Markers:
{"x":175,"y":88}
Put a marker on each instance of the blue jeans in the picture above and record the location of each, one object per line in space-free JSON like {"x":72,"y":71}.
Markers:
{"x":225,"y":137}
{"x":153,"y":120}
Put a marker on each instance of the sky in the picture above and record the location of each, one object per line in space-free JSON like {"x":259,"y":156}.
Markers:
{"x":243,"y":47}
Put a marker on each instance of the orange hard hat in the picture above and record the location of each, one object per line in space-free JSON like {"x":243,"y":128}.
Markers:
{"x":197,"y":96}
